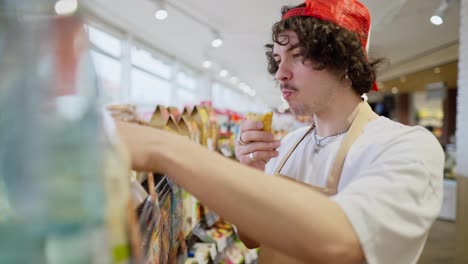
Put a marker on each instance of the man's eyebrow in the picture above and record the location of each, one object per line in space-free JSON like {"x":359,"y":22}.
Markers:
{"x":292,"y":47}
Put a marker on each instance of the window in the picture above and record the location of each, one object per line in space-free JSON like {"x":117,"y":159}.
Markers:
{"x":150,"y":79}
{"x":186,"y":80}
{"x":130,"y":72}
{"x":185,"y":97}
{"x":144,"y":60}
{"x":225,"y":97}
{"x":186,"y":83}
{"x":104,"y":42}
{"x":106,"y":52}
{"x":218,"y":96}
{"x":148,"y":89}
{"x":108,"y":71}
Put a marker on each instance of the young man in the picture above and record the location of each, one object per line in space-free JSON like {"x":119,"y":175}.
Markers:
{"x":319,"y":59}
{"x":373,"y":187}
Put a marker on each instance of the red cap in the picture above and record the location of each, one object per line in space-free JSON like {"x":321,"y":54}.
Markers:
{"x":348,"y":14}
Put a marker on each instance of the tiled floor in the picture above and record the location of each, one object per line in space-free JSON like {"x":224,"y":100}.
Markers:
{"x":440,"y":246}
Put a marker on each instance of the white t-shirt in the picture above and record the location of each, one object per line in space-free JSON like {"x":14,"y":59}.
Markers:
{"x":390,"y":187}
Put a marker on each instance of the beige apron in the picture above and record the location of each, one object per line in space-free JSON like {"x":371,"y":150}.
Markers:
{"x":361,"y":115}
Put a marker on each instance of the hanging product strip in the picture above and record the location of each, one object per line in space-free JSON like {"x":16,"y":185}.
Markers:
{"x":155,"y":220}
{"x":148,"y":216}
{"x":164,"y":227}
{"x":178,"y":250}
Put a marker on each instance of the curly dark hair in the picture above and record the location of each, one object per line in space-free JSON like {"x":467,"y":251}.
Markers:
{"x":328,"y":46}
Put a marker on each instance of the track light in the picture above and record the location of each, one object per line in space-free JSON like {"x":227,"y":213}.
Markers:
{"x":234,"y":80}
{"x":438,"y":17}
{"x":437,"y":20}
{"x":217,"y":41}
{"x":224,"y":73}
{"x":161,"y":12}
{"x":242,"y":86}
{"x":207,"y":64}
{"x":247,"y":89}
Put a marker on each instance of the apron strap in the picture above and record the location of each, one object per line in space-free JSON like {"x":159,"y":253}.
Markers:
{"x":286,"y":157}
{"x":363,"y":116}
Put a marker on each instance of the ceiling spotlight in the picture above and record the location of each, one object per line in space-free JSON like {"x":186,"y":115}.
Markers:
{"x":217,"y":42}
{"x":234,"y":80}
{"x":66,"y":7}
{"x":242,"y":86}
{"x":438,"y":17}
{"x":437,"y":20}
{"x":248,"y":90}
{"x":223,"y":73}
{"x":161,"y":11}
{"x":207,"y":64}
{"x":161,"y":14}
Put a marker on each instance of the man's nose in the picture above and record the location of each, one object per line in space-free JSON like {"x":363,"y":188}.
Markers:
{"x":283,"y":73}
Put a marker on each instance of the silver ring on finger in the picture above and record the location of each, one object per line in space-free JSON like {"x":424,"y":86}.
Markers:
{"x":251,"y":157}
{"x":239,"y":139}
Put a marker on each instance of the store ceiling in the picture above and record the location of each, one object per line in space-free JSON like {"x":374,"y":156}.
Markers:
{"x":401,"y":32}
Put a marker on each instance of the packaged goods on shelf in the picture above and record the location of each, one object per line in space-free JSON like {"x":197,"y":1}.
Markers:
{"x":182,"y":219}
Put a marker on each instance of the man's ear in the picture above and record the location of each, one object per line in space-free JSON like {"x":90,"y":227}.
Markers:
{"x":345,"y":80}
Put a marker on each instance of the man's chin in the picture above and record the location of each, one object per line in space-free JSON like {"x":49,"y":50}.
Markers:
{"x":299,"y":110}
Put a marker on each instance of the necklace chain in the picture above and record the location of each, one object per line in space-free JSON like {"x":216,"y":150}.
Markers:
{"x":323,"y":142}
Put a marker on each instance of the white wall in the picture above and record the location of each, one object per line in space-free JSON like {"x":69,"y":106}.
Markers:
{"x":462,"y":105}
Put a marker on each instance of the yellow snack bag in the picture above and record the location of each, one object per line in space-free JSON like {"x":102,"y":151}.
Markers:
{"x":266,"y":119}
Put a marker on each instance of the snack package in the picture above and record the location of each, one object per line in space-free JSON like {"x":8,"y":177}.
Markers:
{"x":171,"y":125}
{"x":124,"y":112}
{"x":160,"y":117}
{"x":185,"y":127}
{"x":200,"y":116}
{"x":175,"y":113}
{"x":266,"y":119}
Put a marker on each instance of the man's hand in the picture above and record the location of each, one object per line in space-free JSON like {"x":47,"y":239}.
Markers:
{"x":255,"y":147}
